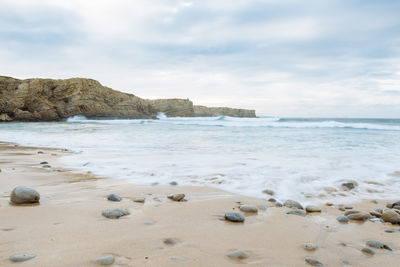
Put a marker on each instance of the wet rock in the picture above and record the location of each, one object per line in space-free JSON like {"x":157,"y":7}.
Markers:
{"x":311,"y":208}
{"x":343,"y":244}
{"x":170,"y":241}
{"x":351,"y":212}
{"x":345,"y":262}
{"x":349,"y":185}
{"x":176,"y":197}
{"x":377,"y":244}
{"x":173,"y":183}
{"x":314,"y":262}
{"x":342,"y":219}
{"x":6,"y":229}
{"x":391,"y":230}
{"x":40,"y":152}
{"x":248,"y":208}
{"x":24,"y":195}
{"x":105,"y":260}
{"x":374,"y":201}
{"x":237,"y":255}
{"x":278,"y":204}
{"x":368,"y":251}
{"x":310,"y":246}
{"x":390,"y":216}
{"x":269,"y":192}
{"x":115,"y":213}
{"x":293,"y":204}
{"x":391,"y":205}
{"x":114,"y":197}
{"x":361,"y":216}
{"x":329,"y":204}
{"x":139,"y":200}
{"x":375,"y":213}
{"x":273,"y":200}
{"x":22,"y":257}
{"x":234,"y":217}
{"x":44,"y":163}
{"x":297,"y":212}
{"x":341,"y":208}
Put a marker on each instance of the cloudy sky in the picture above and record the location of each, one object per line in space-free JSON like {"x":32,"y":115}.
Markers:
{"x":280,"y":57}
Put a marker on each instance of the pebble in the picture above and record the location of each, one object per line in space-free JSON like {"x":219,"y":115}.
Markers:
{"x":349,"y":185}
{"x":377,"y":244}
{"x":278,"y":204}
{"x":268,"y":192}
{"x":374,"y":201}
{"x":46,"y":166}
{"x":368,"y":251}
{"x":313,"y":262}
{"x":329,"y":204}
{"x":44,"y":162}
{"x":170,"y":241}
{"x":273,"y":200}
{"x":115,"y":213}
{"x":391,"y":205}
{"x":24,"y":195}
{"x":351,"y":212}
{"x":40,"y":152}
{"x":391,"y":230}
{"x":22,"y":257}
{"x":105,"y":260}
{"x":139,"y":200}
{"x":310,"y":246}
{"x":343,"y":244}
{"x":6,"y":229}
{"x":311,"y":208}
{"x":114,"y":197}
{"x":262,"y":207}
{"x":297,"y":212}
{"x":390,"y":216}
{"x":342,"y":219}
{"x":248,"y":208}
{"x":177,"y":258}
{"x":176,"y":197}
{"x":293,"y":204}
{"x":361,"y":216}
{"x":237,"y":255}
{"x":345,"y":262}
{"x":234,"y":217}
{"x":173,"y":183}
{"x":375,"y":213}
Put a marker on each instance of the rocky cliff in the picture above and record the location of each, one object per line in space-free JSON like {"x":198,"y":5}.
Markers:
{"x":51,"y":100}
{"x":203,"y":111}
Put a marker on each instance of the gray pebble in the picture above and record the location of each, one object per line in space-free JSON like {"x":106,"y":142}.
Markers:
{"x":22,"y":257}
{"x":173,"y":183}
{"x":115,"y":213}
{"x":24,"y":195}
{"x":46,"y":166}
{"x":311,"y":208}
{"x":361,"y":216}
{"x":297,"y":212}
{"x":44,"y":163}
{"x":391,"y":230}
{"x":343,"y":244}
{"x":148,"y":223}
{"x":272,"y":200}
{"x":234,"y":217}
{"x":105,"y":260}
{"x":139,"y":200}
{"x":368,"y":251}
{"x":310,"y":246}
{"x":177,"y":258}
{"x":170,"y":241}
{"x":7,"y":229}
{"x":176,"y":197}
{"x":278,"y":204}
{"x":342,"y":219}
{"x":248,"y":208}
{"x":345,"y":262}
{"x":374,"y":201}
{"x":351,"y":212}
{"x":268,"y":192}
{"x":313,"y":262}
{"x":293,"y":204}
{"x":377,"y":244}
{"x":114,"y":197}
{"x":237,"y":255}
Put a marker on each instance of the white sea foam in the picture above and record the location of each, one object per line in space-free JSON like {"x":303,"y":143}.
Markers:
{"x":304,"y":159}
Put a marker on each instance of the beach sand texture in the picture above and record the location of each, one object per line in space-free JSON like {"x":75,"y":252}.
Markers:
{"x":67,"y":227}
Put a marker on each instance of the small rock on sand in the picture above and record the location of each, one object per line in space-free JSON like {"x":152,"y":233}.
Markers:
{"x":273,"y":200}
{"x":314,"y":262}
{"x":360,"y":216}
{"x":115,"y":213}
{"x":391,"y":230}
{"x":114,"y":197}
{"x":342,"y":219}
{"x":377,"y":244}
{"x":248,"y":208}
{"x":368,"y":251}
{"x":173,"y":183}
{"x":269,"y":192}
{"x":24,"y":195}
{"x":234,"y":217}
{"x":139,"y":200}
{"x":349,"y":185}
{"x":310,"y":246}
{"x":22,"y":257}
{"x":170,"y":241}
{"x":178,"y":258}
{"x":351,"y":212}
{"x":176,"y":197}
{"x":237,"y":255}
{"x":278,"y":204}
{"x":311,"y":208}
{"x":297,"y":212}
{"x":293,"y":204}
{"x":46,"y":166}
{"x":105,"y":260}
{"x":44,"y":162}
{"x":329,"y":204}
{"x":390,"y":216}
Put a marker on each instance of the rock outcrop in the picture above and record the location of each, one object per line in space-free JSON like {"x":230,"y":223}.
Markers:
{"x":52,"y":100}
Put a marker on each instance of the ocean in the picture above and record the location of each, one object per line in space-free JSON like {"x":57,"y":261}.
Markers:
{"x":306,"y":159}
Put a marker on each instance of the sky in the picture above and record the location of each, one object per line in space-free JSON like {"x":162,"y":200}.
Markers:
{"x":287,"y":58}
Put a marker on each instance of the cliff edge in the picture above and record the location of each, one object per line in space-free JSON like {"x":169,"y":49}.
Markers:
{"x":52,"y":100}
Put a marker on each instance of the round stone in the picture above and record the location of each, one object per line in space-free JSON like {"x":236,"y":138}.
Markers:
{"x":234,"y":217}
{"x":248,"y":208}
{"x":237,"y":255}
{"x":311,"y":208}
{"x":114,"y":197}
{"x":105,"y":260}
{"x":24,"y":195}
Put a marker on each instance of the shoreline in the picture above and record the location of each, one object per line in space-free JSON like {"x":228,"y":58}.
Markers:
{"x":67,"y":228}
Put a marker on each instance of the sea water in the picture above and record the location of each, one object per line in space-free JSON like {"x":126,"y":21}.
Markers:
{"x":303,"y":159}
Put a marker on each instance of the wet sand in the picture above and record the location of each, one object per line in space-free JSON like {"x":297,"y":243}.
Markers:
{"x":67,"y":228}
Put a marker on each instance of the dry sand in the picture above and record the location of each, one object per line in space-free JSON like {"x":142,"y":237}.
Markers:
{"x":67,"y":228}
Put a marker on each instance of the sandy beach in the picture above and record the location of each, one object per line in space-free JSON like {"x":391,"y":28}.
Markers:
{"x":67,"y":227}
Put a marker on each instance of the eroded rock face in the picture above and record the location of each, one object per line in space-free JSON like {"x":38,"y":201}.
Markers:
{"x":202,"y":111}
{"x":51,"y":100}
